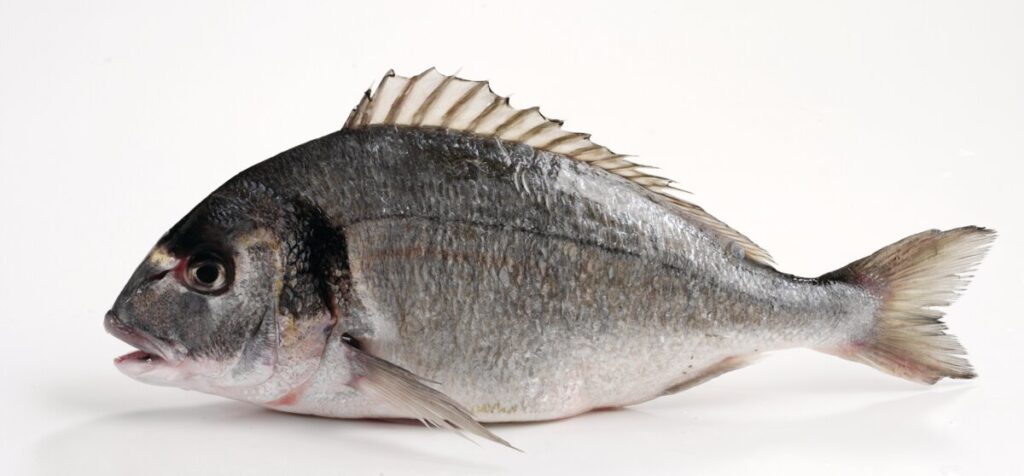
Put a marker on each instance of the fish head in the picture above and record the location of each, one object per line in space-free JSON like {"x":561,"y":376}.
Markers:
{"x":202,"y":307}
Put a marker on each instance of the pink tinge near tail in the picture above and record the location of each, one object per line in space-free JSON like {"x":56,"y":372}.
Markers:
{"x":913,"y":278}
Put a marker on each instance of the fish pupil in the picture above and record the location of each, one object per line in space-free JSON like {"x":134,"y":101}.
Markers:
{"x":207,"y":274}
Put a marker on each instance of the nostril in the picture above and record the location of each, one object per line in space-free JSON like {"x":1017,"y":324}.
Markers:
{"x":158,"y":276}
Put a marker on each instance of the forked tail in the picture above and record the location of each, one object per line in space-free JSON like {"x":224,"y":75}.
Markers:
{"x":913,"y":278}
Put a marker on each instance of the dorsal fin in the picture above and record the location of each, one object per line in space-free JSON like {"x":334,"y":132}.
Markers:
{"x":431,"y":99}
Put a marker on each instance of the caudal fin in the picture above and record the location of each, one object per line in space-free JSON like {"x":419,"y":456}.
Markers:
{"x":913,"y":277}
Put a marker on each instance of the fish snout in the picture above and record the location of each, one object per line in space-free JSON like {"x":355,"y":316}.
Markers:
{"x":152,"y":352}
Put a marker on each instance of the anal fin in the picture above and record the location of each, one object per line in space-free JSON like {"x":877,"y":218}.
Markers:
{"x":723,"y":366}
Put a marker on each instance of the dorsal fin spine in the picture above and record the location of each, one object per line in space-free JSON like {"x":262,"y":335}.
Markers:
{"x":629,"y":168}
{"x":417,"y":117}
{"x":396,"y":107}
{"x":513,"y":120}
{"x":611,"y":163}
{"x":560,"y":140}
{"x":493,"y":106}
{"x":356,"y":116}
{"x":583,"y":149}
{"x":525,"y":136}
{"x":461,"y":102}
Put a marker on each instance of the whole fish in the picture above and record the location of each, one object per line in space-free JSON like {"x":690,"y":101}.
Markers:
{"x":448,"y":258}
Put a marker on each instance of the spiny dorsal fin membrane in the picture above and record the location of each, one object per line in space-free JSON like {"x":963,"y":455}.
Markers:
{"x":432,"y":99}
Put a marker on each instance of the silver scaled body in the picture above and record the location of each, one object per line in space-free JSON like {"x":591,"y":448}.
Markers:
{"x":528,"y":286}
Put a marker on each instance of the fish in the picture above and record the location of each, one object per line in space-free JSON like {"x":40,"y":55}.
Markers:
{"x":448,"y":258}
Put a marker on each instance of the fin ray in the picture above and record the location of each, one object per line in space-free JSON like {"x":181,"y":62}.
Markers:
{"x":723,"y":367}
{"x":408,"y":393}
{"x":914,"y":278}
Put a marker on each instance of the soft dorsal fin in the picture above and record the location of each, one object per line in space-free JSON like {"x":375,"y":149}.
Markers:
{"x":431,"y":99}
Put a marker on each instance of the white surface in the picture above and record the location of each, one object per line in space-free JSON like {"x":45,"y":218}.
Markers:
{"x":823,"y":132}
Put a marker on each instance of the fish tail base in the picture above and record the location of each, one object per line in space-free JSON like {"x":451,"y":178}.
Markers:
{"x":912,"y":279}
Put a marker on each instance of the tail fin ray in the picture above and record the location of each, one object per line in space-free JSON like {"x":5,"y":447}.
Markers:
{"x":912,"y":278}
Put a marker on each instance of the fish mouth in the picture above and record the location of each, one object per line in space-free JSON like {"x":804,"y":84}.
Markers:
{"x":151,"y":352}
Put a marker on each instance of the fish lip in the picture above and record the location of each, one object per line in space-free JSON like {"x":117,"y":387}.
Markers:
{"x":152,"y":351}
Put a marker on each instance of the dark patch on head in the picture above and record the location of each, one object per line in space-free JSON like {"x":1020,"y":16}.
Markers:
{"x":236,"y":208}
{"x":317,"y":260}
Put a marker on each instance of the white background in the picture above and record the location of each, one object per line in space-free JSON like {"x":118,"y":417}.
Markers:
{"x":821,"y":131}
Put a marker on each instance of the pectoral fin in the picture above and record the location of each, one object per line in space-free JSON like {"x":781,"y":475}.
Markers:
{"x":411,"y":395}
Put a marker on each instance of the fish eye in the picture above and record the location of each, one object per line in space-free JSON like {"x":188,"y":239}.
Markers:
{"x":207,"y":273}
